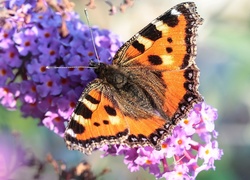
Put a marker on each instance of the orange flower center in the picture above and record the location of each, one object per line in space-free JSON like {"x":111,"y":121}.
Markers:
{"x":72,"y":104}
{"x":90,"y":53}
{"x":164,"y":146}
{"x":43,"y":69}
{"x":12,"y":54}
{"x":52,"y":52}
{"x":148,"y":162}
{"x":80,"y":68}
{"x":49,"y":83}
{"x":5,"y":35}
{"x":207,"y":151}
{"x":179,"y":141}
{"x":27,"y":43}
{"x":33,"y":88}
{"x":47,"y":35}
{"x":3,"y":72}
{"x":57,"y":119}
{"x":186,"y":121}
{"x":63,"y":81}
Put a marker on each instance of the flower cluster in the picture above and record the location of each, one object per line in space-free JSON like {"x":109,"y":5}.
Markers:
{"x":39,"y":34}
{"x":191,"y":149}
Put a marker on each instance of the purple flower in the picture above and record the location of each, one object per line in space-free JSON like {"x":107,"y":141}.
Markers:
{"x":180,"y":140}
{"x":67,"y":104}
{"x":49,"y":51}
{"x":182,"y":148}
{"x":11,"y":57}
{"x":54,"y":122}
{"x":180,"y":172}
{"x":26,"y":42}
{"x":148,"y":160}
{"x":50,"y":85}
{"x":28,"y":89}
{"x":39,"y":34}
{"x":5,"y":73}
{"x":5,"y":38}
{"x":210,"y":152}
{"x":8,"y":95}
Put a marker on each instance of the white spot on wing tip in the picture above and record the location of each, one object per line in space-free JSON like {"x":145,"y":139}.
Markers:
{"x":175,"y":12}
{"x":70,"y":132}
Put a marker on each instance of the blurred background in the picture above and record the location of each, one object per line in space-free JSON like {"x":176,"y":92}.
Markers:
{"x":224,"y":61}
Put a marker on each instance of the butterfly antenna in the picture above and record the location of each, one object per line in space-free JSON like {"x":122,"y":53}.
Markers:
{"x":70,"y":67}
{"x":91,"y":34}
{"x":94,"y":46}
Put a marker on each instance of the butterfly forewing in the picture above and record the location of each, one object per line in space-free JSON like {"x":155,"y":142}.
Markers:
{"x":167,"y":43}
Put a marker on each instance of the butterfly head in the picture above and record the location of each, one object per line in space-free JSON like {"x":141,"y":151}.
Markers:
{"x":110,"y":74}
{"x":98,"y":67}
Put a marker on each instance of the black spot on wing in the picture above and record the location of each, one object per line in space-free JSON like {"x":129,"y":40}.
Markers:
{"x":76,"y":127}
{"x":111,"y":111}
{"x":96,"y":124}
{"x":151,"y":32}
{"x":170,"y":40}
{"x":140,"y":47}
{"x":105,"y":122}
{"x":132,"y":138}
{"x":73,"y":140}
{"x":169,"y":19}
{"x":190,"y":74}
{"x":190,"y":86}
{"x":142,"y":138}
{"x":92,"y":100}
{"x":123,"y":133}
{"x":83,"y":110}
{"x":154,"y":138}
{"x":155,"y":60}
{"x":169,"y":49}
{"x":186,"y":61}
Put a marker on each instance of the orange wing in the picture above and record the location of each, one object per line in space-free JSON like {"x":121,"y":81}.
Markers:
{"x":95,"y":122}
{"x":167,"y":43}
{"x":166,"y":48}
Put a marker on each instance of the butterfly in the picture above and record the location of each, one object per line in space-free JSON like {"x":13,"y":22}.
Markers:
{"x":150,"y":86}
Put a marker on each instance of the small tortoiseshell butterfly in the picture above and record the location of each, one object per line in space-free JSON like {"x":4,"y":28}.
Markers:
{"x":150,"y":86}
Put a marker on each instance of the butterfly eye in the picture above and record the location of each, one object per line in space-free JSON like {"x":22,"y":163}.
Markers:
{"x":92,"y":63}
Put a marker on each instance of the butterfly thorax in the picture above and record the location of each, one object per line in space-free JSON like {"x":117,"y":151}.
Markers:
{"x":130,"y":91}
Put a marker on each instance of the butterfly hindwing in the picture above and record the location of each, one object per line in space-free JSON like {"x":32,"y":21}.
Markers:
{"x":95,"y":121}
{"x":182,"y":92}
